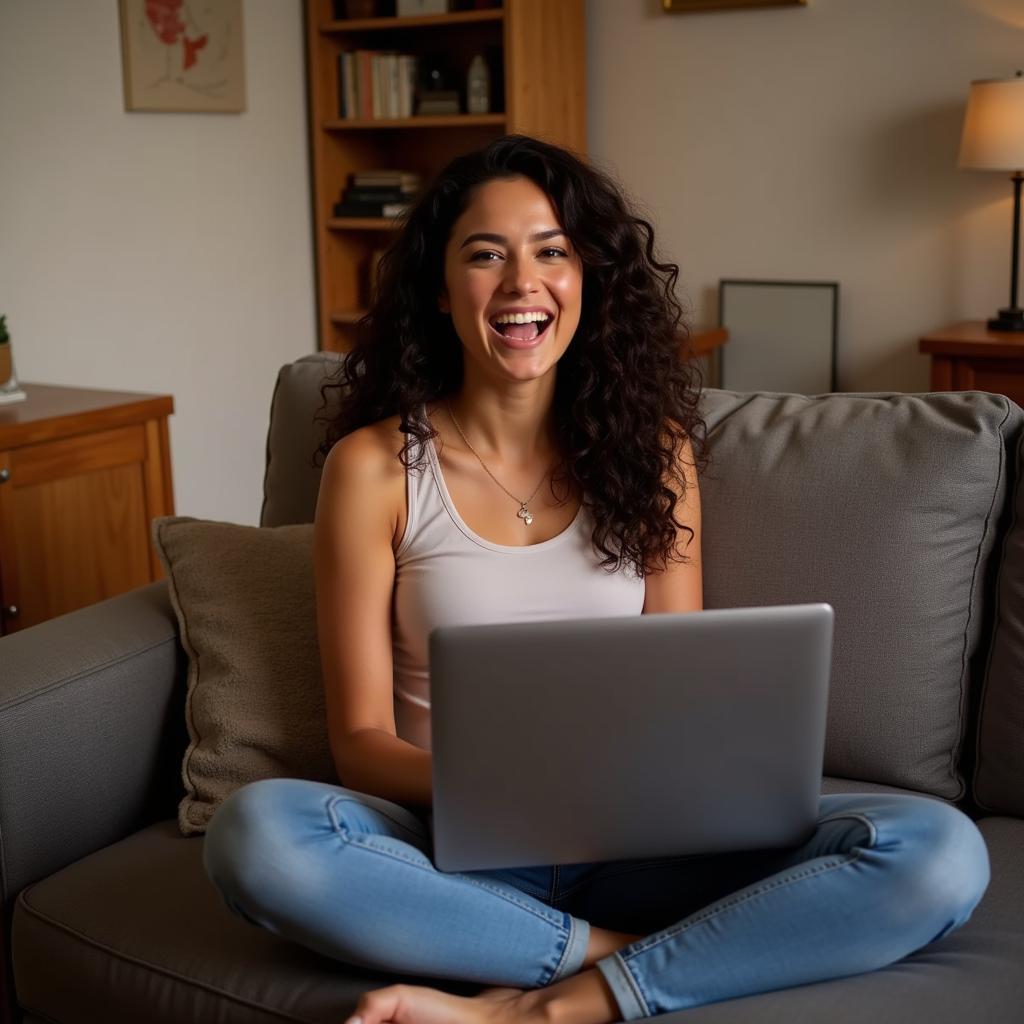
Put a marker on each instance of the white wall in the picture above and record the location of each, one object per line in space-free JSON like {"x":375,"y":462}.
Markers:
{"x":166,"y":253}
{"x":815,"y":143}
{"x":173,"y":252}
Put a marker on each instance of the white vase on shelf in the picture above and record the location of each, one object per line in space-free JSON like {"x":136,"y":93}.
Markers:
{"x":9,"y":389}
{"x":478,"y":87}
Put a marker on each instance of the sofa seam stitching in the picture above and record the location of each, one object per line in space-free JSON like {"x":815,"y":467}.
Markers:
{"x":38,"y":1013}
{"x":192,"y":684}
{"x":966,"y":785}
{"x":997,"y":618}
{"x":110,"y":663}
{"x":139,"y":962}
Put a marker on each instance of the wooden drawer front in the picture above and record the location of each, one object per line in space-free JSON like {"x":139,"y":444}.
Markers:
{"x":37,"y":463}
{"x":1000,"y":376}
{"x":73,"y":523}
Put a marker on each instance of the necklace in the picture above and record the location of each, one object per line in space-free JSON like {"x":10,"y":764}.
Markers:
{"x":524,"y":513}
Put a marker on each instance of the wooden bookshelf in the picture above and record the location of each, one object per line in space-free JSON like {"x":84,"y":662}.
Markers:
{"x":536,"y":52}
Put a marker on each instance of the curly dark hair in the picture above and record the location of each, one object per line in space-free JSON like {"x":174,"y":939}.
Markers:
{"x":625,"y":398}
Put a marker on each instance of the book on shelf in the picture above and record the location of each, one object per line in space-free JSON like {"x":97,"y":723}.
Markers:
{"x":362,"y":204}
{"x":385,"y":177}
{"x":439,"y":101}
{"x":382,"y":192}
{"x":375,"y":195}
{"x":344,"y":209}
{"x":376,"y":84}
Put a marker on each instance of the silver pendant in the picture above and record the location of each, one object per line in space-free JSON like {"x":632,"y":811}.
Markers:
{"x":524,"y":513}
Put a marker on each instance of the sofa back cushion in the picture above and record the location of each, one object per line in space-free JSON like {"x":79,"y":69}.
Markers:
{"x":298,"y":413}
{"x":887,"y":506}
{"x":999,"y":762}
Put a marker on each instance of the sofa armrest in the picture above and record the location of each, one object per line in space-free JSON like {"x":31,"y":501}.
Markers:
{"x":91,"y":734}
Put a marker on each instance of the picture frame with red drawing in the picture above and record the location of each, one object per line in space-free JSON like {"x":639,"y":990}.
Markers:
{"x":182,"y":56}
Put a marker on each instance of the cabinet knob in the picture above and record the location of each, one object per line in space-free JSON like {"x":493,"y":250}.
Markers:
{"x":5,"y":475}
{"x":11,"y":611}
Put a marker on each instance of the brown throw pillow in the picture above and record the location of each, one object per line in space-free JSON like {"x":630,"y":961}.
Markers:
{"x":246,"y":608}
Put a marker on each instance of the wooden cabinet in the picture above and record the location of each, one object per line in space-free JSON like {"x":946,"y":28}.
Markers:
{"x":538,"y":89}
{"x":705,"y":346}
{"x":82,"y":474}
{"x":967,"y":356}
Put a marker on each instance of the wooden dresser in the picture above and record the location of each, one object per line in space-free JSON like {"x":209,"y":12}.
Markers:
{"x":82,"y":475}
{"x":967,"y":356}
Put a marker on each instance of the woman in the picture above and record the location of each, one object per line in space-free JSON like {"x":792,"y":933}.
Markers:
{"x":563,"y":482}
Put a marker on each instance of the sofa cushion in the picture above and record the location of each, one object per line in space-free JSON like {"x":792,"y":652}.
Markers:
{"x":299,"y":412}
{"x":833,"y":784}
{"x":246,"y":608}
{"x":886,"y":506}
{"x":999,"y":761}
{"x":119,"y":929}
{"x":137,"y":932}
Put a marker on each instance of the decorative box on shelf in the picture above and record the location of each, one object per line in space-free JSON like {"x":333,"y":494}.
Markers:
{"x":412,"y":8}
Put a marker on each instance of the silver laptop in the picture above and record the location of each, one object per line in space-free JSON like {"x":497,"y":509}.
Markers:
{"x":581,"y":740}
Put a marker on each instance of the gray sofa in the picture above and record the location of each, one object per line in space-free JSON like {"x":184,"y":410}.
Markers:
{"x":902,"y":511}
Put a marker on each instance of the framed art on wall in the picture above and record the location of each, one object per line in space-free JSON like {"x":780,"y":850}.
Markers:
{"x":183,"y":55}
{"x":782,"y":335}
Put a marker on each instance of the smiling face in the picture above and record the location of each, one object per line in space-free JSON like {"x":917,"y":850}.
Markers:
{"x":526,"y":262}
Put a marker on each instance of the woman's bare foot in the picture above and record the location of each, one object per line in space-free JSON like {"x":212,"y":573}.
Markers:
{"x":583,"y":998}
{"x":415,"y":1004}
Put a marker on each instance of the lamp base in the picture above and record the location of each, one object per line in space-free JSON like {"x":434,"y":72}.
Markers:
{"x":1008,"y":320}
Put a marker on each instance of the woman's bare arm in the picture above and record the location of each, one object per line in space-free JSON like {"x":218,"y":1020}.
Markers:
{"x":354,"y":569}
{"x":680,"y":587}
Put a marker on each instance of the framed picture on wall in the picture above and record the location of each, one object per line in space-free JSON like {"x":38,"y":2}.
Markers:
{"x":183,"y":56}
{"x":782,"y":335}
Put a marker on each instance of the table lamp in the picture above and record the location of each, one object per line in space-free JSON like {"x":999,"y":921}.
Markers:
{"x":993,"y":140}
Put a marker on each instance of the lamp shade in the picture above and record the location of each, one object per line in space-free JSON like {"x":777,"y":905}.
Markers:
{"x":993,"y":126}
{"x":993,"y":135}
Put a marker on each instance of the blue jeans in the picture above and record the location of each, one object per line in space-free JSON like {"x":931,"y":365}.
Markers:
{"x":351,"y":876}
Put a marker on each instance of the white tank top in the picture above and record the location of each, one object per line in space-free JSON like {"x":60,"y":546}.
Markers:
{"x":445,"y":574}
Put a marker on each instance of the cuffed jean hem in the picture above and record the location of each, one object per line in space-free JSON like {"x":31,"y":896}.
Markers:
{"x":575,"y":951}
{"x":623,"y":986}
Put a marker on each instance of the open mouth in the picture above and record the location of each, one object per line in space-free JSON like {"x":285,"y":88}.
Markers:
{"x":521,"y":334}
